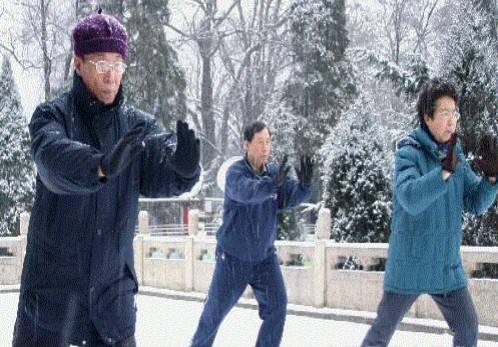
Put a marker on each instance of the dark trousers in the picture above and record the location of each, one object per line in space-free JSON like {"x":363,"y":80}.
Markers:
{"x":231,"y":277}
{"x":456,"y":306}
{"x":28,"y":334}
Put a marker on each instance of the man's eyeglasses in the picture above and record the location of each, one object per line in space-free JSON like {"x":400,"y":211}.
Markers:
{"x":103,"y":66}
{"x":449,"y":114}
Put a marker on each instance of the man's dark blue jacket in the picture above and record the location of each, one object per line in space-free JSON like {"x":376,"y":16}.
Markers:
{"x":79,"y":268}
{"x":250,"y":208}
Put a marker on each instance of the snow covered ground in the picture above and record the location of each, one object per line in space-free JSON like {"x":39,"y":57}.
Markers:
{"x":171,"y":323}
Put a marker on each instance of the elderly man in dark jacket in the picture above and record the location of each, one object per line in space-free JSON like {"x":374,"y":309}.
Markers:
{"x":94,"y":156}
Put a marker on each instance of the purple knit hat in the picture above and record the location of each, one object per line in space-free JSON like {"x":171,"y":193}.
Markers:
{"x":100,"y":33}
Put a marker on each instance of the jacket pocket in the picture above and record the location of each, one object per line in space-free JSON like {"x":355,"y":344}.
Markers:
{"x":67,"y":222}
{"x":52,"y":308}
{"x":116,"y":307}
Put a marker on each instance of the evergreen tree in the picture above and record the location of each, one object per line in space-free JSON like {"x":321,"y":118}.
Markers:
{"x":319,"y":88}
{"x":154,"y":82}
{"x":407,"y":81}
{"x":322,"y":83}
{"x":356,"y":176}
{"x":16,"y":166}
{"x":469,"y":60}
{"x":282,"y":123}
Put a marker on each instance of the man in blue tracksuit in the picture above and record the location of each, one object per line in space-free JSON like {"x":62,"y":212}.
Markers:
{"x":245,"y":253}
{"x":433,"y":185}
{"x":94,"y":156}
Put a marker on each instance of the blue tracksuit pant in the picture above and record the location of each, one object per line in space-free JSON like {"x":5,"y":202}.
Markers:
{"x":231,"y":277}
{"x":456,"y":306}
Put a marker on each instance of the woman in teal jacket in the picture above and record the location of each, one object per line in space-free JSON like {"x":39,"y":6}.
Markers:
{"x":433,"y":185}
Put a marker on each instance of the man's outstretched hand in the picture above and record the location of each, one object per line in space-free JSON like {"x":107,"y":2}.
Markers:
{"x":283,"y":171}
{"x":305,"y":171}
{"x":187,"y":155}
{"x":124,"y":152}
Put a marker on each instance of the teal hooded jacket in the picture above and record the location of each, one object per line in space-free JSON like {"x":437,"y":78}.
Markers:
{"x":426,"y":228}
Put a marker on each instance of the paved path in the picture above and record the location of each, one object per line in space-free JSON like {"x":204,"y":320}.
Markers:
{"x":171,"y":323}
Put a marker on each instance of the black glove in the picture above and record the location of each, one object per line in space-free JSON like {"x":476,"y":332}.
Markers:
{"x":487,"y":155}
{"x":123,"y":153}
{"x":283,"y":171}
{"x":305,"y":171}
{"x":449,"y":163}
{"x":187,"y":155}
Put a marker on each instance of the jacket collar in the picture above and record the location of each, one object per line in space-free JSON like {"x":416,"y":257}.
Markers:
{"x":87,"y":104}
{"x":420,"y":138}
{"x":425,"y":128}
{"x":264,"y":172}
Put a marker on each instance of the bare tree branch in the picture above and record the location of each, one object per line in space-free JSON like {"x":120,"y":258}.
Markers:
{"x":226,"y":14}
{"x":13,"y":54}
{"x":422,"y":25}
{"x":172,"y":27}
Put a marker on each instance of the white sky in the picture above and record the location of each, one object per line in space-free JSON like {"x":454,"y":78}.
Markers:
{"x":29,"y":83}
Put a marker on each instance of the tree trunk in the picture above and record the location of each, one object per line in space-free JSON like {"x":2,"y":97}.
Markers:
{"x":208,"y":152}
{"x":47,"y":64}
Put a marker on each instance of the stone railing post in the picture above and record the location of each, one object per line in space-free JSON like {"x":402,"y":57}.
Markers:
{"x":193,"y":232}
{"x":23,"y":234}
{"x":24,"y":223}
{"x":320,"y":258}
{"x":189,"y":263}
{"x":143,"y":222}
{"x":319,"y":273}
{"x":193,"y":222}
{"x":138,"y":244}
{"x":323,"y":224}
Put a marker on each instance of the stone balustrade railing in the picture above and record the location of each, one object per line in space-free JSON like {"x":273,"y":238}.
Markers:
{"x":13,"y":250}
{"x":187,"y":264}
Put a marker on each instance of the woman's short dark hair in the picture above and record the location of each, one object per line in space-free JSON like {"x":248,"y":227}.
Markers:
{"x":431,"y":91}
{"x":253,"y":128}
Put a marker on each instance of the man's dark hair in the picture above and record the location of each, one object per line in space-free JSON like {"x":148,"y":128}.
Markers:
{"x":431,"y":91}
{"x":253,"y":128}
